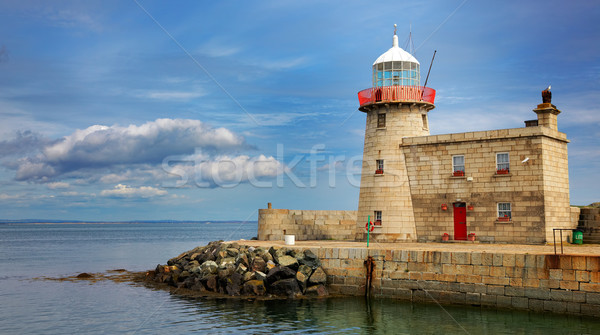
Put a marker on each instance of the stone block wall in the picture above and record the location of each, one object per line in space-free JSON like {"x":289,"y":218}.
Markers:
{"x":273,"y":224}
{"x":589,"y":223}
{"x":389,"y":191}
{"x":557,"y":283}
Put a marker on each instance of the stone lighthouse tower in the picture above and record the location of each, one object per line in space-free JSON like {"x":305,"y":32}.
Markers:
{"x":396,"y":107}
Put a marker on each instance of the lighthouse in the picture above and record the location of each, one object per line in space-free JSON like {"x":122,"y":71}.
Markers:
{"x":396,"y":107}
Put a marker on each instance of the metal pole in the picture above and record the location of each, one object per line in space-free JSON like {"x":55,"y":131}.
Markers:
{"x":561,"y":239}
{"x":368,"y":229}
{"x":554,"y":239}
{"x":427,"y":78}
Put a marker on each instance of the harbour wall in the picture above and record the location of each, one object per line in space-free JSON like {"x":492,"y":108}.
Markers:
{"x":273,"y":224}
{"x":566,"y":284}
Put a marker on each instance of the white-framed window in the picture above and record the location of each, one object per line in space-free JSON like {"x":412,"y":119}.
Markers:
{"x":504,"y":210}
{"x":502,"y":162}
{"x":379,"y":164}
{"x":458,"y":164}
{"x":377,"y":221}
{"x":381,"y":120}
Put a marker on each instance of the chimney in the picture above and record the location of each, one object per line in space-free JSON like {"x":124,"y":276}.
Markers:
{"x":546,"y":113}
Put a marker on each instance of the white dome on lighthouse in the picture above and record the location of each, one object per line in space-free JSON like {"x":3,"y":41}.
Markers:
{"x":396,"y":67}
{"x":396,"y":54}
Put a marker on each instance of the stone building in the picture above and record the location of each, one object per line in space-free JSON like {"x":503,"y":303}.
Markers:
{"x":498,"y":186}
{"x":509,"y":185}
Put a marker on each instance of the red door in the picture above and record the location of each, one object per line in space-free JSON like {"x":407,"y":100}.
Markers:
{"x":460,"y":221}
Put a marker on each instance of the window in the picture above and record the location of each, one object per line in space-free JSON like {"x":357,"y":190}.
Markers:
{"x":379,"y":164}
{"x":377,"y":218}
{"x":504,"y":212}
{"x":425,"y":123}
{"x":381,"y":120}
{"x":458,"y":165}
{"x":502,"y":162}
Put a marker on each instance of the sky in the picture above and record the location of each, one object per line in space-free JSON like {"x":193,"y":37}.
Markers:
{"x":197,"y":110}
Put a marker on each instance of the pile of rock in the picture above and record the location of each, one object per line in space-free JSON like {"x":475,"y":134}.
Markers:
{"x":232,"y":269}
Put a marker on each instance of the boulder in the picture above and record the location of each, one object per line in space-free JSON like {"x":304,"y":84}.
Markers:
{"x":260,"y":275}
{"x":279,"y":273}
{"x":231,"y":252}
{"x":242,"y":258}
{"x":302,"y":276}
{"x":288,"y":261}
{"x":209,"y":267}
{"x":317,"y":290}
{"x":212,"y":283}
{"x":318,"y":277}
{"x":270,"y":265}
{"x":285,"y":287}
{"x":233,"y":284}
{"x":227,"y":260}
{"x":226,"y":271}
{"x":241,"y":269}
{"x":279,"y":253}
{"x":254,"y":287}
{"x":259,"y":264}
{"x":309,"y":258}
{"x":248,"y":276}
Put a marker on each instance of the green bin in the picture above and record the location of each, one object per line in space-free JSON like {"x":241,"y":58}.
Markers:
{"x":577,"y":237}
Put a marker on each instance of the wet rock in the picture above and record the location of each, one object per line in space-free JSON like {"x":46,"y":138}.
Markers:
{"x":285,"y":287}
{"x":279,"y":273}
{"x":212,"y":283}
{"x":233,"y":284}
{"x":302,"y":276}
{"x":318,"y":277}
{"x":254,"y":287}
{"x":270,"y":265}
{"x":317,"y":290}
{"x":84,"y":275}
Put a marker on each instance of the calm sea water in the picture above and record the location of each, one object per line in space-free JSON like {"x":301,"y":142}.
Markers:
{"x":30,"y":306}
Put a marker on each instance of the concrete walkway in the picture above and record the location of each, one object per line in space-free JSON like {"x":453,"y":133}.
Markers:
{"x":569,"y":249}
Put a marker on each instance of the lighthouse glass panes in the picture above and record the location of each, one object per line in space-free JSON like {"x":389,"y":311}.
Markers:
{"x":396,"y":73}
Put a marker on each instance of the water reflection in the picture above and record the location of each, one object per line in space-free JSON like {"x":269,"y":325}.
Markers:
{"x":369,"y":316}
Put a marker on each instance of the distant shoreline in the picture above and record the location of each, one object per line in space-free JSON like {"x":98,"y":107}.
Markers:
{"x":42,"y":222}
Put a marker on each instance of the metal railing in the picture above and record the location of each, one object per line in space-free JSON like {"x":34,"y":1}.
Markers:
{"x":561,"y":239}
{"x":396,"y":93}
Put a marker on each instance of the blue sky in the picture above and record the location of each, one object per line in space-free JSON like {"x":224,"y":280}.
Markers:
{"x":123,"y":110}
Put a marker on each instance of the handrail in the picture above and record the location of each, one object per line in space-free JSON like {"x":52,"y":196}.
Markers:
{"x":561,"y":239}
{"x":396,"y":93}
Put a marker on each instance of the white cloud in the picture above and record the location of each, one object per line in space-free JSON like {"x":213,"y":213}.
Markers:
{"x":101,"y":146}
{"x":169,"y":95}
{"x":57,"y":185}
{"x":124,"y":191}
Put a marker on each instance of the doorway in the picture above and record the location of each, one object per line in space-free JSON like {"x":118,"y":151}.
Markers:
{"x":460,"y":221}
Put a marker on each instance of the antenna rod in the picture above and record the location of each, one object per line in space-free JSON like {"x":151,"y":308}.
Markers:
{"x":427,"y":78}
